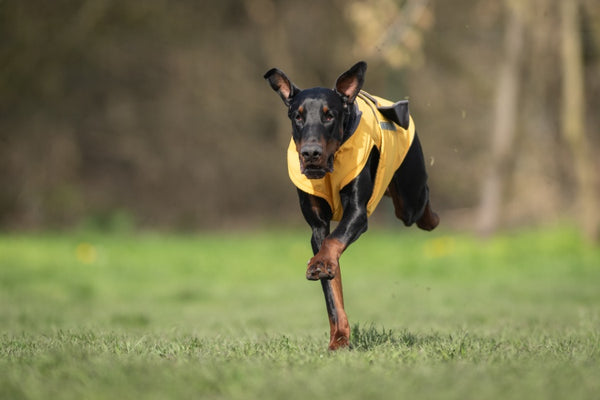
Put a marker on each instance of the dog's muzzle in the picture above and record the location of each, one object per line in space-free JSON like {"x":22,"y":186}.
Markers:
{"x":313,"y":163}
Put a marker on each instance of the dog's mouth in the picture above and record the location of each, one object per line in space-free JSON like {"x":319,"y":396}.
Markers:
{"x":317,"y":171}
{"x":314,"y":172}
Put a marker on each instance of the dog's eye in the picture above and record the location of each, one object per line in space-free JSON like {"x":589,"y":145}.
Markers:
{"x":328,"y":116}
{"x":298,"y":117}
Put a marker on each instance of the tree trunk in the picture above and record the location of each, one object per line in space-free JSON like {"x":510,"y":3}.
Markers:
{"x":505,"y":123}
{"x":573,"y":119}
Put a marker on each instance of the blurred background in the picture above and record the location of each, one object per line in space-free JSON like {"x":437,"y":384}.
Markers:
{"x":154,"y":114}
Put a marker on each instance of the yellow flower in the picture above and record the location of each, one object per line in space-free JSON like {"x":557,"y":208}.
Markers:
{"x":439,"y":247}
{"x":86,"y":253}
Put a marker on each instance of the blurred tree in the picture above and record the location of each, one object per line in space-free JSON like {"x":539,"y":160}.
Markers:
{"x":505,"y":119}
{"x":573,"y":118}
{"x":390,"y":30}
{"x":525,"y":148}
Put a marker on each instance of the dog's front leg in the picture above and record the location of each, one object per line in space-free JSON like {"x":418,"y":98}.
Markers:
{"x":333,"y":245}
{"x":327,"y":248}
{"x":318,"y":214}
{"x":354,"y":198}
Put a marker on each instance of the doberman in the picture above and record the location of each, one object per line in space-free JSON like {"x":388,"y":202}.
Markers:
{"x":333,"y":131}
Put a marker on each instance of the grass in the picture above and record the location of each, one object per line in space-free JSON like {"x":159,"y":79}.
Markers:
{"x":230,"y":316}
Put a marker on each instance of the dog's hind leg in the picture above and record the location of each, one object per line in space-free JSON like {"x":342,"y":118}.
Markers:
{"x":409,"y":190}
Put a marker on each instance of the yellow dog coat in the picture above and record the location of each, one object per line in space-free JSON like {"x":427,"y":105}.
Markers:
{"x":374,"y":129}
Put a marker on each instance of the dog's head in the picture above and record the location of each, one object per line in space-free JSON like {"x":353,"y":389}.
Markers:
{"x":318,"y":116}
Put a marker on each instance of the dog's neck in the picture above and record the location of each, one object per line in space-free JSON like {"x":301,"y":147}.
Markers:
{"x":351,"y":120}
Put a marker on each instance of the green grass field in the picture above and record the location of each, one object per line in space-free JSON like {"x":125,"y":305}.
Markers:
{"x":231,"y":316}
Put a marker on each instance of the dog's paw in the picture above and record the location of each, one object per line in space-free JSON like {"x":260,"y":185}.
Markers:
{"x":321,"y":268}
{"x":339,"y":342}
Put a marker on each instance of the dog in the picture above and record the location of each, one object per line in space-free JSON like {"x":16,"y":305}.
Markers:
{"x":348,"y":150}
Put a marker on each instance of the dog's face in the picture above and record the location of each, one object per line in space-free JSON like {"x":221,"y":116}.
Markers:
{"x":318,"y":117}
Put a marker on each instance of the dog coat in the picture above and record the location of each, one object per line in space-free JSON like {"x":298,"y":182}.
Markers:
{"x":373,"y":130}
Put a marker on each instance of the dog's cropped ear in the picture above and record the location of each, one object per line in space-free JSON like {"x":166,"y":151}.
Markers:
{"x":281,"y":84}
{"x":350,"y":82}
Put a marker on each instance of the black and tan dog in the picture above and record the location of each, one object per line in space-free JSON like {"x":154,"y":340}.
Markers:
{"x":348,"y":149}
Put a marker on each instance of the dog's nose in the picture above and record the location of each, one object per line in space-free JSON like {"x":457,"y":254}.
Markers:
{"x":311,"y":152}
